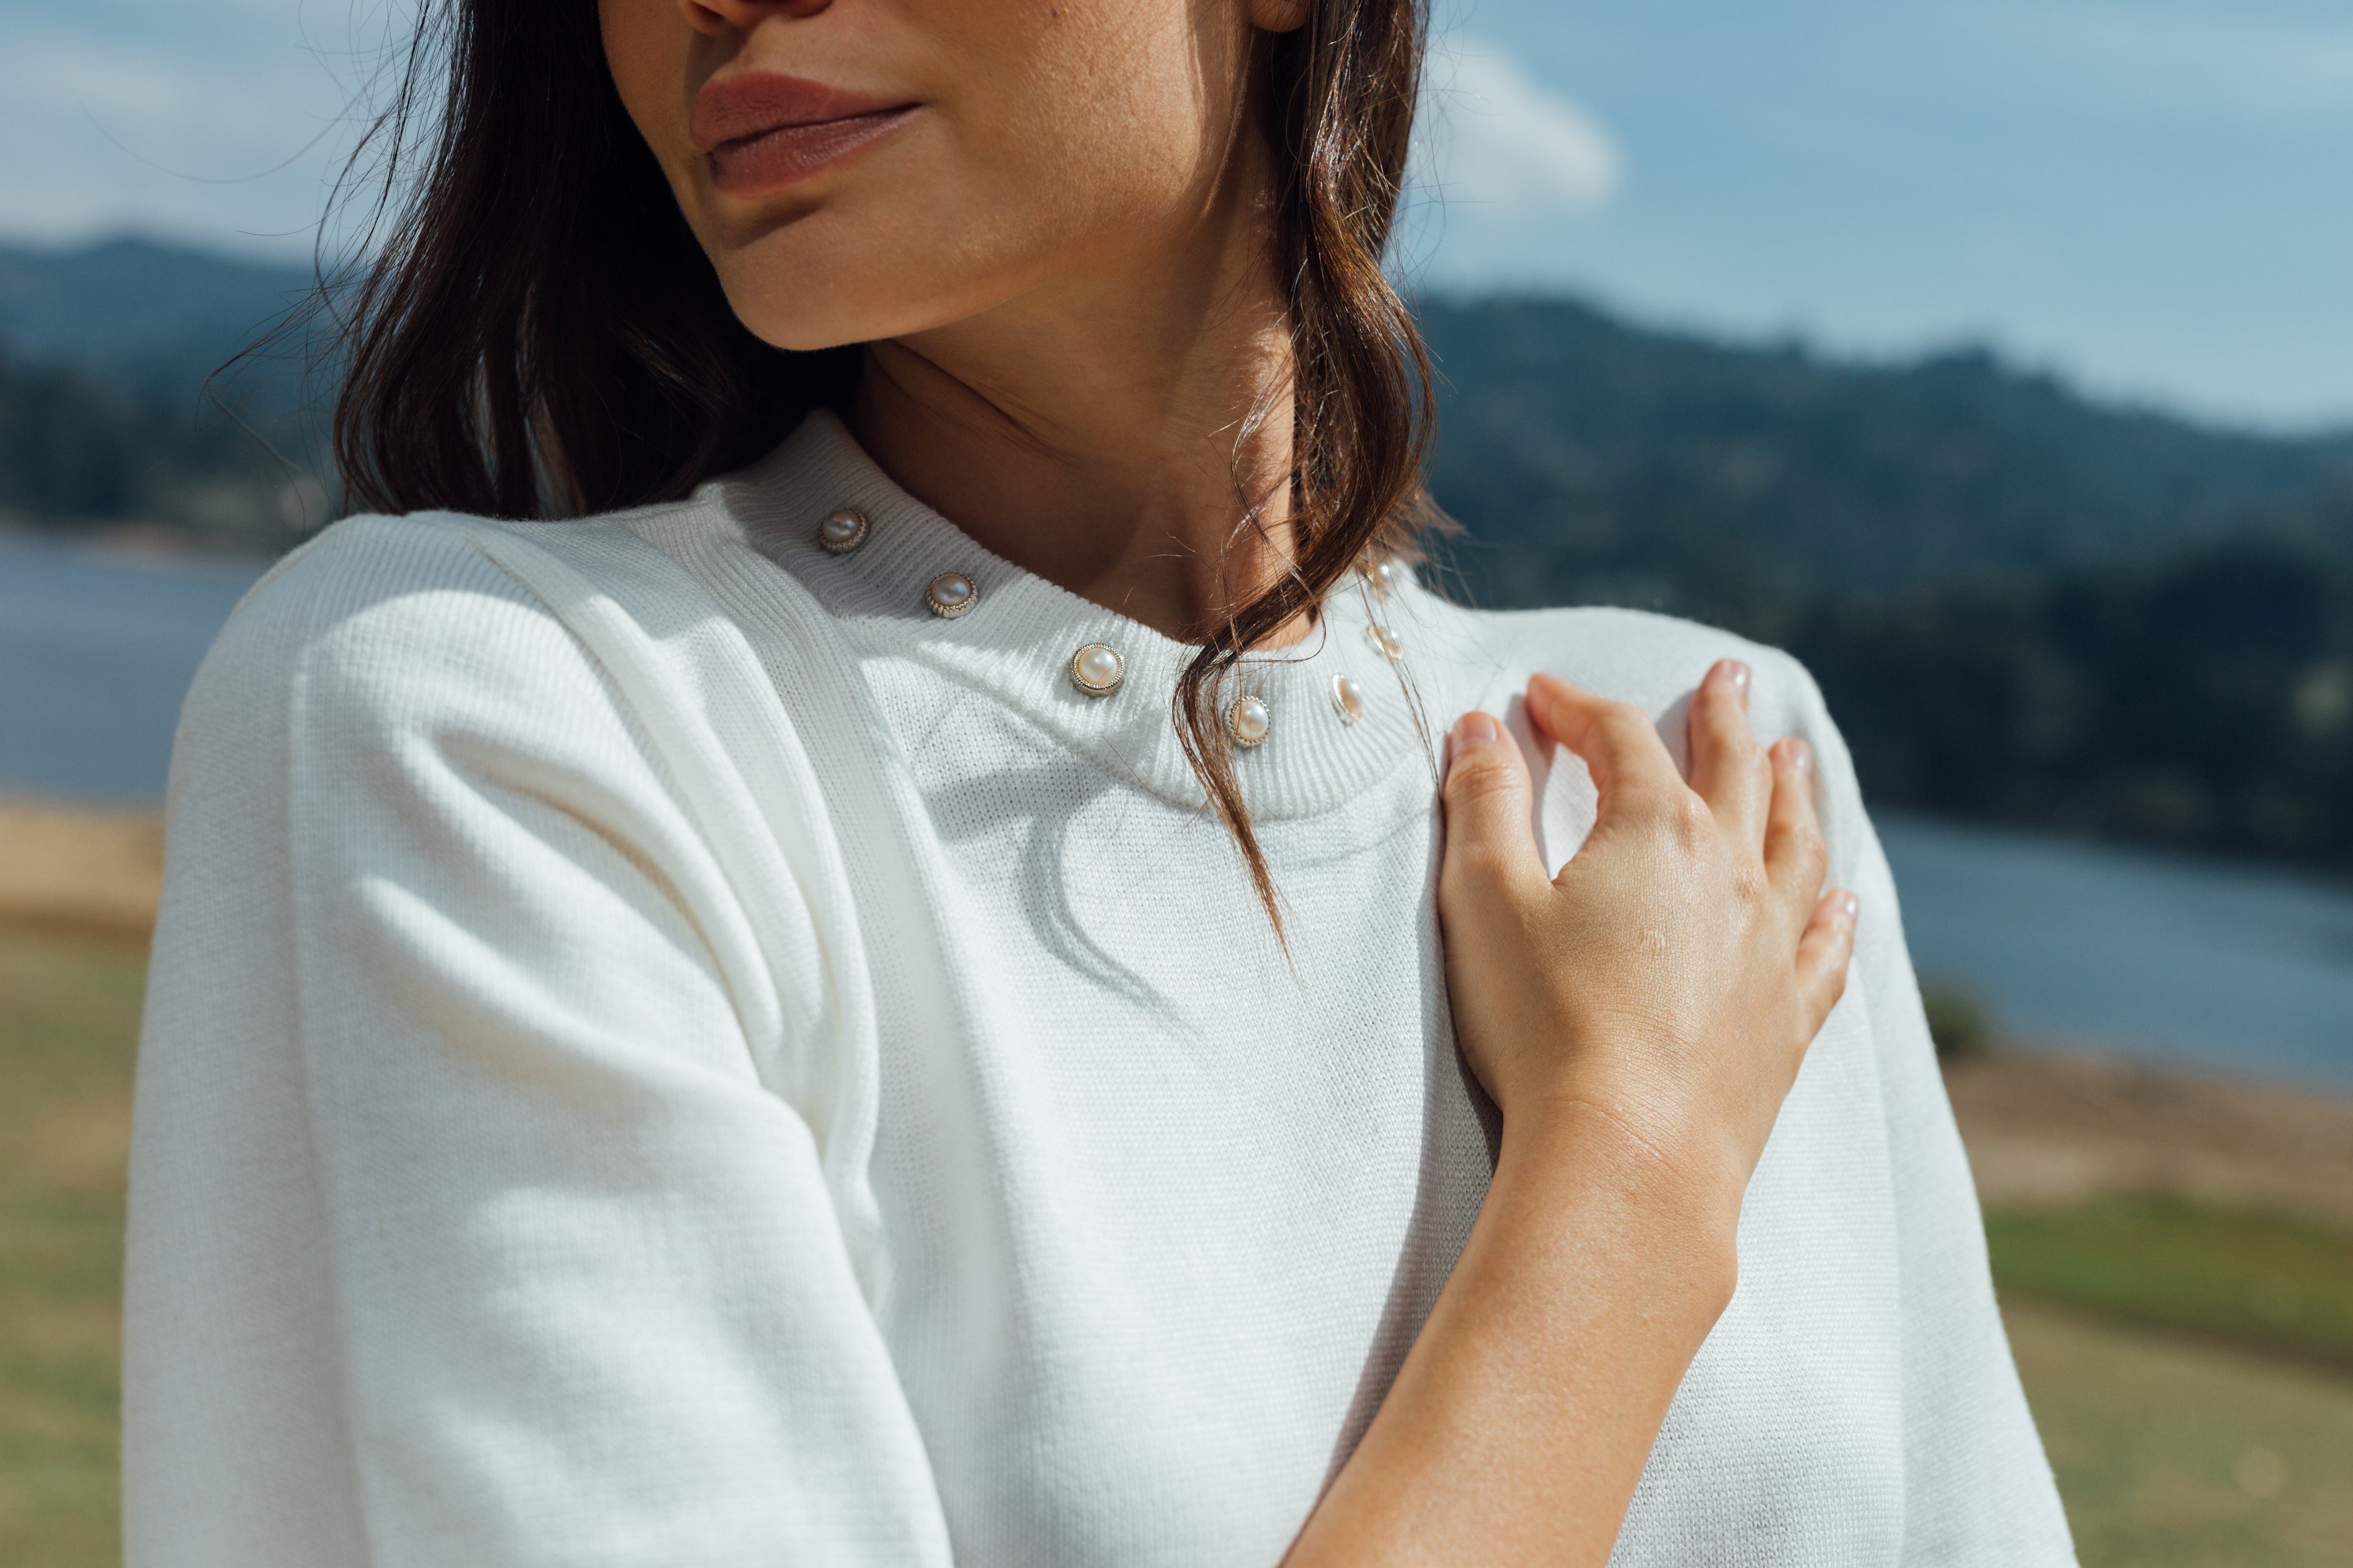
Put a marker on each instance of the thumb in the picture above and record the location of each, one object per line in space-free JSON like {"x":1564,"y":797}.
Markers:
{"x":1489,"y":841}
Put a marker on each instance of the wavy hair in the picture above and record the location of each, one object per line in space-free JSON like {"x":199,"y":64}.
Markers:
{"x":538,"y":334}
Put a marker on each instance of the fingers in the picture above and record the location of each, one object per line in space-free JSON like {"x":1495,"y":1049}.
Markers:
{"x":1796,"y":860}
{"x":1617,"y":742}
{"x":1490,"y":837}
{"x":1728,"y":769}
{"x":1822,"y":955}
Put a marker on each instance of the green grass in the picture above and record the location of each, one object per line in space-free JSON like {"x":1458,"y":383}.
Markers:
{"x":2260,"y":1281}
{"x":68,"y":1018}
{"x":2171,"y":1453}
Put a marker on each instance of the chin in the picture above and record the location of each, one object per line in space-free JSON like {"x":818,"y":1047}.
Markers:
{"x":859,"y":271}
{"x":818,"y":282}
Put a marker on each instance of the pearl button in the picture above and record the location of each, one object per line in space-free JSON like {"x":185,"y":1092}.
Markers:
{"x":1347,"y":699}
{"x":1247,"y":720}
{"x":1379,"y":637}
{"x":843,"y":531}
{"x":1097,"y":669}
{"x":1387,"y":577}
{"x":951,"y":594}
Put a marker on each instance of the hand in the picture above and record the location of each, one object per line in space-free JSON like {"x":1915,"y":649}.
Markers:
{"x":1671,"y":978}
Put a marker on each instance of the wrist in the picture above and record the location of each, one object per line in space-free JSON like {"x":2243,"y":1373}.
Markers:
{"x":1677,"y":1195}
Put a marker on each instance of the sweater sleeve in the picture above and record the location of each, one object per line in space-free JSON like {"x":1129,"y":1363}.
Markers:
{"x":1977,"y":1488}
{"x":464,"y":1229}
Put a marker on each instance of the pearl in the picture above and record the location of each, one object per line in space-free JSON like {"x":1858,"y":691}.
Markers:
{"x":1387,"y":577}
{"x":1247,"y":720}
{"x":1379,"y":637}
{"x":1347,"y":699}
{"x":951,"y":594}
{"x":1097,"y":669}
{"x":843,"y":531}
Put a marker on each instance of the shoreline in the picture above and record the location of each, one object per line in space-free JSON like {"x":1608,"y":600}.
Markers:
{"x":2050,"y":1127}
{"x":82,"y":869}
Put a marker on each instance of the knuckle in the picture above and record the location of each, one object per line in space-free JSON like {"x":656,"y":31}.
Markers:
{"x":1808,"y":853}
{"x":1625,"y":725}
{"x":1481,"y":864}
{"x":1689,"y":820}
{"x":1477,"y":778}
{"x":1813,"y":854}
{"x":1724,"y":711}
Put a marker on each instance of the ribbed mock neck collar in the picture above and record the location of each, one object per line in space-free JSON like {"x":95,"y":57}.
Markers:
{"x":1013,"y":646}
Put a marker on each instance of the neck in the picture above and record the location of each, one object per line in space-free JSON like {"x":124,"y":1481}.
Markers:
{"x":1127,"y":437}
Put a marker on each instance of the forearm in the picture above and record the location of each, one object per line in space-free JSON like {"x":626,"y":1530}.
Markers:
{"x":1520,"y":1423}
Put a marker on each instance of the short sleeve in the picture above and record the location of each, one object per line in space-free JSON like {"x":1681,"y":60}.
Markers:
{"x":463,"y":1227}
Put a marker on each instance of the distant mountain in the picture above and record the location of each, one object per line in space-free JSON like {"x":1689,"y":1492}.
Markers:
{"x":1591,"y":459}
{"x":125,"y":307}
{"x":110,"y":409}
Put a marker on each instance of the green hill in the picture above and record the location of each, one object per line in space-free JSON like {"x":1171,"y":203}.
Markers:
{"x":111,"y":410}
{"x":1590,"y":458}
{"x":130,"y":309}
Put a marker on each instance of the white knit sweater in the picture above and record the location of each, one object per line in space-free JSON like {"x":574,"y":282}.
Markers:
{"x":661,"y":1051}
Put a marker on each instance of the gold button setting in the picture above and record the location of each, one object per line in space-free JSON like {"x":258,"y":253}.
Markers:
{"x":1097,"y":669}
{"x":951,"y":594}
{"x":1248,"y":721}
{"x":842,"y":531}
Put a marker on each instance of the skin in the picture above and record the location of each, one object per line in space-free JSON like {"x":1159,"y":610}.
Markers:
{"x":1060,"y":265}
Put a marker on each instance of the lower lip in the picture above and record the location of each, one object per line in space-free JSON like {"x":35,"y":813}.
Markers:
{"x":776,"y":159}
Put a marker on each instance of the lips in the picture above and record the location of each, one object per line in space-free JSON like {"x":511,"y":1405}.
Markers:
{"x":766,"y":132}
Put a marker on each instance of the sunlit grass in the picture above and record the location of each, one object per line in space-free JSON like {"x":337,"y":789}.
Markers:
{"x":69,"y":1020}
{"x":2263,"y":1280}
{"x":2172,"y":1453}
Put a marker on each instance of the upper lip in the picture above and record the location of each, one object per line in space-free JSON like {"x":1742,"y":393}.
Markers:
{"x":740,"y":105}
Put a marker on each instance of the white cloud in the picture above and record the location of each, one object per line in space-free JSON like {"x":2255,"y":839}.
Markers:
{"x":1492,"y":137}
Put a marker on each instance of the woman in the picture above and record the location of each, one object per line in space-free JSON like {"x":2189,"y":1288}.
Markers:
{"x":884,"y":984}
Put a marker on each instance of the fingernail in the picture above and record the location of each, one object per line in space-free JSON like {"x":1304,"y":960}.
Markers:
{"x":1738,"y":674}
{"x":1850,"y":906}
{"x":1475,"y":729}
{"x":1801,"y":756}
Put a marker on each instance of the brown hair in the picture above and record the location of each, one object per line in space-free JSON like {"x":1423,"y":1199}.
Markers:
{"x":539,"y":335}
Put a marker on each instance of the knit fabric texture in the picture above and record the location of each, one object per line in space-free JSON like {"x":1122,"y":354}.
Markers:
{"x":662,"y":1049}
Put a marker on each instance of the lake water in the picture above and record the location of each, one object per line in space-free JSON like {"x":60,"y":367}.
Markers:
{"x":95,"y":654}
{"x":2234,"y":968}
{"x":2163,"y":958}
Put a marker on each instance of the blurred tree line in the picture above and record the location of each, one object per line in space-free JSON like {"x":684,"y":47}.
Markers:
{"x":79,"y":447}
{"x":2206,"y":703}
{"x":111,"y":413}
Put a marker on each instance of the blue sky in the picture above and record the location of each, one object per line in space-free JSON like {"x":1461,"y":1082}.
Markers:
{"x":2153,"y":196}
